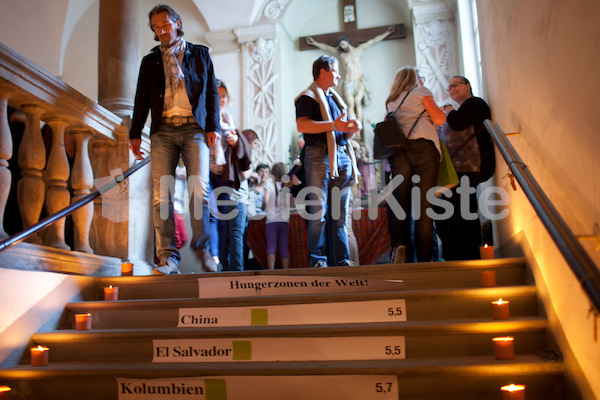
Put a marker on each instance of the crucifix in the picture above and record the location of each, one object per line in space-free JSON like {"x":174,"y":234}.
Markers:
{"x":340,"y":43}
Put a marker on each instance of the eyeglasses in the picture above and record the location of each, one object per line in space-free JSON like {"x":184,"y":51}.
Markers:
{"x":450,"y":87}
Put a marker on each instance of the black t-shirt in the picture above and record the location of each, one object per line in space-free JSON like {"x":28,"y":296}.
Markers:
{"x":309,"y":107}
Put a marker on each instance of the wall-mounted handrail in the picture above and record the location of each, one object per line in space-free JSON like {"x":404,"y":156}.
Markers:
{"x":575,"y":255}
{"x":19,"y":237}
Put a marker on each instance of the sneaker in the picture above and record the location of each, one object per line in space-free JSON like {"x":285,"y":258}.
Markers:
{"x":348,"y":263}
{"x":399,"y":255}
{"x":167,"y":266}
{"x":320,"y":264}
{"x":206,"y":260}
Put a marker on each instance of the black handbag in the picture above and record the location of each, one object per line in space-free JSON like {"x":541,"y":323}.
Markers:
{"x":389,"y":136}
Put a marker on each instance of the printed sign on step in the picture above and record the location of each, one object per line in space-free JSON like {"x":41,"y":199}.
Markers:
{"x":279,"y":349}
{"x":321,"y":387}
{"x":295,"y":314}
{"x":272,"y":285}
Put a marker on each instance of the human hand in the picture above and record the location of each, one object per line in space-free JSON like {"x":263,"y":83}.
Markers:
{"x":232,"y":138}
{"x":310,"y":41}
{"x":212,"y":137}
{"x":134,"y":146}
{"x":391,"y":29}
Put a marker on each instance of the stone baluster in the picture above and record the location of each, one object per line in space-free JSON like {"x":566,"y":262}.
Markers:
{"x":82,"y":180}
{"x":57,"y":172}
{"x":32,"y":160}
{"x":6,"y":149}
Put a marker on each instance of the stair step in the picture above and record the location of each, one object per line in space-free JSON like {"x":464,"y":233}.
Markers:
{"x":422,"y":339}
{"x":457,"y":378}
{"x":448,"y":274}
{"x":420,"y":305}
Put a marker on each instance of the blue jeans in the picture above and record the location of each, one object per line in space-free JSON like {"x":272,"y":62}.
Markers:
{"x":327,"y":235}
{"x":167,"y":144}
{"x":230,"y":230}
{"x":421,"y":158}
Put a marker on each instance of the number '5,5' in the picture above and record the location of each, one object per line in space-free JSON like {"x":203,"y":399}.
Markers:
{"x":394,"y":312}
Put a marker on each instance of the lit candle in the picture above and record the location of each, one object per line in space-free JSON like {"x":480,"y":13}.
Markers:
{"x":486,"y":252}
{"x":126,"y":269}
{"x":513,"y":392}
{"x":501,"y":310}
{"x":83,"y":322}
{"x":111,"y":293}
{"x":488,"y":278}
{"x":5,"y":393}
{"x":39,"y":356}
{"x":504,"y":348}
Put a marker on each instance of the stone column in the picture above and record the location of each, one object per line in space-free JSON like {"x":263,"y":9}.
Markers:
{"x":57,"y":172}
{"x":119,"y":54}
{"x":6,"y":145}
{"x":82,"y":180}
{"x":261,"y":82}
{"x":435,"y":35}
{"x":32,"y":160}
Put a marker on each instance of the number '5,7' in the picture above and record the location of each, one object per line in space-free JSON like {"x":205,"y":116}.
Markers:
{"x":394,"y":312}
{"x":383,"y":387}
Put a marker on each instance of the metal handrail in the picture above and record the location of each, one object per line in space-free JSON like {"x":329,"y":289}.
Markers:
{"x":19,"y":237}
{"x":575,"y":255}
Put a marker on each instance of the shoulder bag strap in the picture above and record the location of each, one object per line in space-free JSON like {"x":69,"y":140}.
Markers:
{"x":400,"y":105}
{"x":415,"y":124}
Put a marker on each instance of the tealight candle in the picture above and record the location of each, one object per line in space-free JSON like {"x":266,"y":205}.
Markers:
{"x":126,"y":269}
{"x":83,"y":322}
{"x":111,"y":293}
{"x":513,"y":392}
{"x":5,"y":392}
{"x":488,"y":278}
{"x":504,"y":348}
{"x":486,"y":252}
{"x":39,"y":356}
{"x":501,"y":310}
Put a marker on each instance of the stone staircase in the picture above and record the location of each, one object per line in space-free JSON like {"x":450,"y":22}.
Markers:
{"x":410,"y":331}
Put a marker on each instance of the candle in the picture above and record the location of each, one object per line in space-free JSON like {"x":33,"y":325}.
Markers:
{"x":486,"y":252}
{"x":111,"y":293}
{"x":513,"y":392}
{"x":501,"y":310}
{"x":83,"y":322}
{"x":504,"y":348}
{"x":488,"y":278}
{"x":126,"y":269}
{"x":39,"y":356}
{"x":5,"y":393}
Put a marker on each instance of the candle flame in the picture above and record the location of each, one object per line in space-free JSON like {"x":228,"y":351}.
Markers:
{"x":512,"y":388}
{"x":485,"y":246}
{"x":503,"y":339}
{"x":110,"y":286}
{"x":5,"y":389}
{"x":40,"y":348}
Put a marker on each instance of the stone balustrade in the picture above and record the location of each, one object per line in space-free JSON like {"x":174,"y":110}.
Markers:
{"x":47,"y":180}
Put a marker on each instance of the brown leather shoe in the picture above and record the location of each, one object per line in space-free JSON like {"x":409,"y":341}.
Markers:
{"x":206,"y":260}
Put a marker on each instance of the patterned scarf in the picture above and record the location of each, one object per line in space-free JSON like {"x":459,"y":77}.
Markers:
{"x":174,"y":79}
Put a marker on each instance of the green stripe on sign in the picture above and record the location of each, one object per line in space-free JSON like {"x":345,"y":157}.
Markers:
{"x":216,"y":389}
{"x":259,"y":316}
{"x":242,"y":350}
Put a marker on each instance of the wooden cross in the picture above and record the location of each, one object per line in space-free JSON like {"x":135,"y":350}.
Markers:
{"x":356,"y":36}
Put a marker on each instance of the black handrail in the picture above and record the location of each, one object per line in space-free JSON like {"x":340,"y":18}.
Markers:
{"x":19,"y":237}
{"x":577,"y":258}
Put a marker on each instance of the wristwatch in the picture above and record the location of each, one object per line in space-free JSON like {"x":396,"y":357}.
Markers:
{"x":333,"y":127}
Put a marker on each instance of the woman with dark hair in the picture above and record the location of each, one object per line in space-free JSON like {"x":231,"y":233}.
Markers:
{"x":418,"y":164}
{"x":472,"y":151}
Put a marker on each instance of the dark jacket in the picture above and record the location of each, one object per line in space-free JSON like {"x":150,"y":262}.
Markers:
{"x":238,"y":160}
{"x":200,"y":83}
